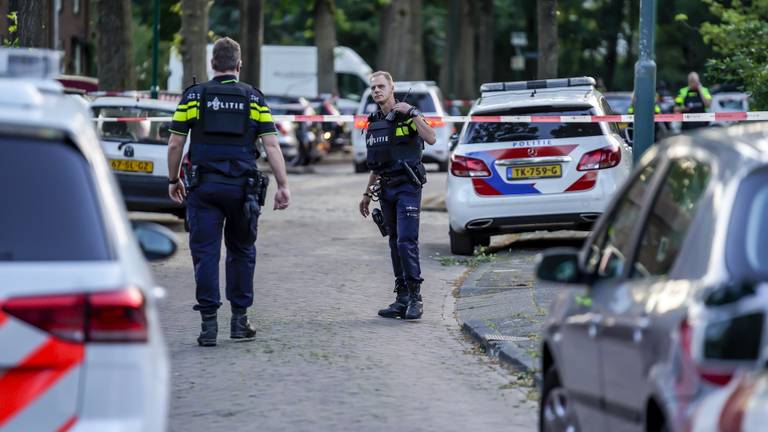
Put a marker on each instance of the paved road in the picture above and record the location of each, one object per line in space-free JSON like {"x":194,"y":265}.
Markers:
{"x":322,"y":359}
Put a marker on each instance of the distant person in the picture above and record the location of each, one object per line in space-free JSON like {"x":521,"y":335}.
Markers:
{"x":692,"y":100}
{"x":224,"y":118}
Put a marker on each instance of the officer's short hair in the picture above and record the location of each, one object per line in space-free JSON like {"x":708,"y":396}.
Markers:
{"x":385,"y":74}
{"x":226,"y":54}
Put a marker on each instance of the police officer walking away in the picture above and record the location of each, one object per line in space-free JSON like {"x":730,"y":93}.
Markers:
{"x":224,"y":118}
{"x":693,"y":99}
{"x":394,"y":143}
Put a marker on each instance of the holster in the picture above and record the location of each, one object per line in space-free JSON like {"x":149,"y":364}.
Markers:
{"x":191,"y":176}
{"x":255,"y":195}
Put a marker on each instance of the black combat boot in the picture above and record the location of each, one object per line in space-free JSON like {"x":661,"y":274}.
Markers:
{"x":241,"y":328}
{"x":415,"y":306}
{"x":210,"y":329}
{"x":397,"y":309}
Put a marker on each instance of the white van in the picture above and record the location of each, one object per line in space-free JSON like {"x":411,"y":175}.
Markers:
{"x":292,"y":71}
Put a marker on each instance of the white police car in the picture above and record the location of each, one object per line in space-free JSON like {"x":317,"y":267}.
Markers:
{"x":526,"y":176}
{"x":136,"y":147}
{"x":424,"y":95}
{"x":82,"y":348}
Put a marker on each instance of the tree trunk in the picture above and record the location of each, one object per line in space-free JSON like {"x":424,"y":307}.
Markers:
{"x":325,"y":39}
{"x":251,"y":40}
{"x":415,"y":54}
{"x":547,"y":18}
{"x":613,"y":33}
{"x":194,"y":40}
{"x":115,"y":45}
{"x":466,"y":85}
{"x":401,"y":49}
{"x":33,"y":18}
{"x":485,"y":35}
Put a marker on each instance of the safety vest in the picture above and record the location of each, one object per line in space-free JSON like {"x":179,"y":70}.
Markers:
{"x":693,"y":100}
{"x":387,"y":143}
{"x":223,"y":130}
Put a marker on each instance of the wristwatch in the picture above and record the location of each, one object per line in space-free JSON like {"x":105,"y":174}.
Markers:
{"x":173,"y":181}
{"x":414,"y":112}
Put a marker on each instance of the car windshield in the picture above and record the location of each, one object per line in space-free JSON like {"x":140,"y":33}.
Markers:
{"x":421,"y":100}
{"x":619,"y":104}
{"x":747,"y":255}
{"x":481,"y":132}
{"x":52,"y":214}
{"x":138,"y":131}
{"x":728,"y":104}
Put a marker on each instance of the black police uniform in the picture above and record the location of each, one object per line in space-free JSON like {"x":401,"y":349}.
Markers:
{"x":694,"y":101}
{"x":224,"y":118}
{"x":394,"y":150}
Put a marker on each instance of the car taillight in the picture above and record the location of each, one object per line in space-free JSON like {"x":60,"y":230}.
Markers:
{"x":712,"y":377}
{"x":606,"y":157}
{"x":361,"y":124}
{"x":114,"y":316}
{"x":435,"y":122}
{"x":62,"y":316}
{"x":117,"y":316}
{"x":462,"y":166}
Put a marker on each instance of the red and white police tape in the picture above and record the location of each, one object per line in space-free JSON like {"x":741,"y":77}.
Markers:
{"x":361,"y":120}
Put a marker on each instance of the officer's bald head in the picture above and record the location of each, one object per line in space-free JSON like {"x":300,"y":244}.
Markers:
{"x":693,"y":81}
{"x":226,"y":55}
{"x":382,"y":87}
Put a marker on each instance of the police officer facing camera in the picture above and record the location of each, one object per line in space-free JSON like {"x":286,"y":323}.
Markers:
{"x":394,"y":143}
{"x":695,"y":99}
{"x":224,"y":118}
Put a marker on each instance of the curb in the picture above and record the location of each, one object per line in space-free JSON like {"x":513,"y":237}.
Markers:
{"x":494,"y":343}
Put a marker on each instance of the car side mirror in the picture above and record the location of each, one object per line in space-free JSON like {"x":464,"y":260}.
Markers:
{"x":454,"y":141}
{"x":560,"y":265}
{"x":156,"y":241}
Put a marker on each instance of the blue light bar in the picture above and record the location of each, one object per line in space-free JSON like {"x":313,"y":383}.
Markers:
{"x":29,"y":63}
{"x":537,"y":84}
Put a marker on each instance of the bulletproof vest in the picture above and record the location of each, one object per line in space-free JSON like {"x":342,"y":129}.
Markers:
{"x":385,"y":149}
{"x":694,"y":101}
{"x":223,"y":130}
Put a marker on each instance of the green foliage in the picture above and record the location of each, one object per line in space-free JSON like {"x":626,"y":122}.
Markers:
{"x":482,"y":255}
{"x":143,"y":20}
{"x":739,"y":39}
{"x":13,"y":29}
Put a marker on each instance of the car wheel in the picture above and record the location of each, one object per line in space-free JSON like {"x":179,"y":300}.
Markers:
{"x":556,"y":413}
{"x":461,"y":244}
{"x":443,"y":166}
{"x":360,"y":167}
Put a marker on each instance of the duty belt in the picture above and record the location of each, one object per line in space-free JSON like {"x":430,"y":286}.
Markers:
{"x":220,"y":178}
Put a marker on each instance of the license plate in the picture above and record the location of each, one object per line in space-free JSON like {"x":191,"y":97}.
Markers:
{"x":534,"y":172}
{"x":131,"y":165}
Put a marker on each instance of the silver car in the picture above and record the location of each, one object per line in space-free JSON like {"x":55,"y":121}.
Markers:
{"x":688,"y":226}
{"x":82,"y":347}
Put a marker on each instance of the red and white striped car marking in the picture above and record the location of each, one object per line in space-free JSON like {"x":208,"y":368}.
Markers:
{"x":40,"y":377}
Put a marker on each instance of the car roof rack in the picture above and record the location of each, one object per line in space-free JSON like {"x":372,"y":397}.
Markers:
{"x":537,"y":84}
